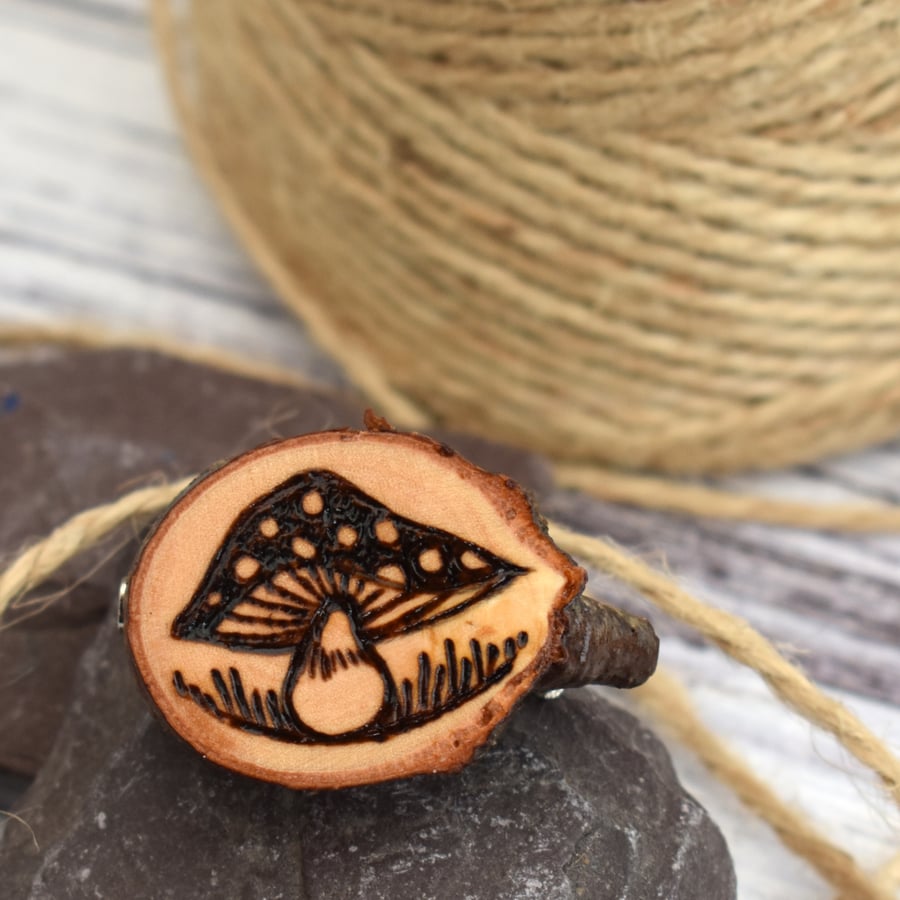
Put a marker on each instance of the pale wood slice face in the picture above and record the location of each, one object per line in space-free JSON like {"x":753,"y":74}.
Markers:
{"x":345,"y":608}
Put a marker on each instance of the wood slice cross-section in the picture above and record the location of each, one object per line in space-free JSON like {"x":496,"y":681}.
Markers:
{"x":346,"y":607}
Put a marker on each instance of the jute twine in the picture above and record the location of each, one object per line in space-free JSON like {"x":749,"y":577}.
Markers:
{"x":644,"y":236}
{"x":663,"y":697}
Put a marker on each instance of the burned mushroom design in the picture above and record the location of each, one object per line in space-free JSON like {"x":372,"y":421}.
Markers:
{"x":322,"y":572}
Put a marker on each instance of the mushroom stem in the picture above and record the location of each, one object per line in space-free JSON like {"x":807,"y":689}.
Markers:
{"x":601,"y":645}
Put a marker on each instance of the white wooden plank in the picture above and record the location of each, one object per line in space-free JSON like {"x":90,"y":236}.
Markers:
{"x":102,"y":217}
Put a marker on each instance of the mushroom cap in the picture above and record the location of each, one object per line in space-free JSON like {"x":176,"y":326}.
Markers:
{"x":286,"y":553}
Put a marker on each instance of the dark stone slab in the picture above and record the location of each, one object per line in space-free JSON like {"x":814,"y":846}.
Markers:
{"x":80,"y":428}
{"x":575,"y":799}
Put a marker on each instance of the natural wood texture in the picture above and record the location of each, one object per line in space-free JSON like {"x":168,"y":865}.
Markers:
{"x":347,"y":607}
{"x":601,"y":644}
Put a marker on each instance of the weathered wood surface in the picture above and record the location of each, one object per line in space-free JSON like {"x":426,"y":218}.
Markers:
{"x":102,"y":218}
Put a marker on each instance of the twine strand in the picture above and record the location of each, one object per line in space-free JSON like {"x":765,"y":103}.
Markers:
{"x":669,"y":494}
{"x":83,"y":531}
{"x":93,"y":336}
{"x":735,"y":637}
{"x":666,"y":699}
{"x":888,"y":877}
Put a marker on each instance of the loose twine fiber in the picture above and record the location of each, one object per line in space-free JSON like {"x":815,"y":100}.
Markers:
{"x":641,"y":236}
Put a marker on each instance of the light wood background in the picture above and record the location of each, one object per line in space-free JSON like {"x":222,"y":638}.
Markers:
{"x":103,"y":220}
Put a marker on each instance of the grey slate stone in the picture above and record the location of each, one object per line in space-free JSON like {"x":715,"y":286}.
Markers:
{"x":574,"y":799}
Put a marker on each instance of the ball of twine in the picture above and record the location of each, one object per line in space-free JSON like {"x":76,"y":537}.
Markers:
{"x":658,"y":235}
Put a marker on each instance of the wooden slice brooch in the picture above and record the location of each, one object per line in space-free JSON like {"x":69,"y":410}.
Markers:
{"x":349,"y":607}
